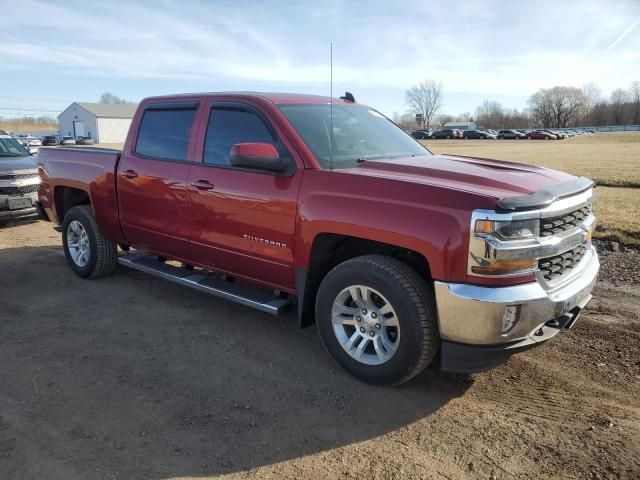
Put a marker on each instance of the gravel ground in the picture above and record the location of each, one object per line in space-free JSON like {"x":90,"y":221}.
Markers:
{"x":130,"y":377}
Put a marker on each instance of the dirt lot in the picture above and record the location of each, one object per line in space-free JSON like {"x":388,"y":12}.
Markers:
{"x":129,"y":377}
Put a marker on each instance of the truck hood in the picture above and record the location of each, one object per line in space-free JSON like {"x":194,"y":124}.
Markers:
{"x":487,"y":177}
{"x":13,"y":164}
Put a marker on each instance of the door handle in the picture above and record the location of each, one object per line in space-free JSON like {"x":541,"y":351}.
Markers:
{"x":202,"y":185}
{"x":129,"y":174}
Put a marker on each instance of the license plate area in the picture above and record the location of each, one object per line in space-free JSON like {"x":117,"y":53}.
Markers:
{"x":19,"y":203}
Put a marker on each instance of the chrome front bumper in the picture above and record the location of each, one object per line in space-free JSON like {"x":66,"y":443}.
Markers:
{"x":473,"y":315}
{"x":6,"y":213}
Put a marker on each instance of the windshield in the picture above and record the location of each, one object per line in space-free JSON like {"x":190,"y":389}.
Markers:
{"x":359,"y":133}
{"x":10,"y":147}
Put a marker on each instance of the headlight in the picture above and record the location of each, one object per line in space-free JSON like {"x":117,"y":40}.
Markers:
{"x":508,"y":230}
{"x":491,"y":236}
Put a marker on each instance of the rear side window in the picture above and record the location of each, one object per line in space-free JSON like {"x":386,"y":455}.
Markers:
{"x":231,"y":125}
{"x":164,"y":134}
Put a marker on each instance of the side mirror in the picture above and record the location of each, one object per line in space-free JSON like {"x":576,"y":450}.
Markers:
{"x":260,"y":156}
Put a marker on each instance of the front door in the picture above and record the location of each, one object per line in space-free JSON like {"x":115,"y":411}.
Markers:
{"x":152,"y":181}
{"x":243,"y":221}
{"x":78,"y":128}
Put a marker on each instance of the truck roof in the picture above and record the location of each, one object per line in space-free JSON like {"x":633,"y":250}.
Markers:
{"x":273,"y":97}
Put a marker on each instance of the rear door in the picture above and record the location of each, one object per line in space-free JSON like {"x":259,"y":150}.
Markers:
{"x":243,"y":221}
{"x":152,"y":179}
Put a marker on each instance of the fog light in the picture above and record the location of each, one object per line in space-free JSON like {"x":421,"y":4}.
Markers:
{"x":510,"y":318}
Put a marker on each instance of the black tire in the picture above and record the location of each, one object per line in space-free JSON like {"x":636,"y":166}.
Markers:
{"x":411,"y":298}
{"x":102,"y":252}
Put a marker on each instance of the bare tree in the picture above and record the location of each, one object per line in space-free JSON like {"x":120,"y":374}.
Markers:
{"x":635,"y":98}
{"x":444,"y":119}
{"x":425,"y":99}
{"x":557,"y":107}
{"x":491,"y":114}
{"x":406,"y":121}
{"x":618,"y":99}
{"x":592,"y":95}
{"x":107,"y":97}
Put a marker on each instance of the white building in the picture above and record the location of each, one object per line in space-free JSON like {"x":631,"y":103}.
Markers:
{"x":104,"y":122}
{"x":461,"y":125}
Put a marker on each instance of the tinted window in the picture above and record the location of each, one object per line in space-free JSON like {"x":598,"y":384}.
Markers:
{"x":231,"y":125}
{"x":165,"y":133}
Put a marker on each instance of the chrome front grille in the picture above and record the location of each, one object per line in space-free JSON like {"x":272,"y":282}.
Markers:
{"x":23,"y":190}
{"x":563,"y":223}
{"x":558,"y":265}
{"x":16,"y":176}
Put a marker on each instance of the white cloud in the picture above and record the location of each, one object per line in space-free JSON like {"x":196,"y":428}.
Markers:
{"x":487,"y":46}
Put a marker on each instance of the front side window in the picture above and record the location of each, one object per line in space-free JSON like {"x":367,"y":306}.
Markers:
{"x":164,"y":134}
{"x":359,"y":133}
{"x":231,"y":125}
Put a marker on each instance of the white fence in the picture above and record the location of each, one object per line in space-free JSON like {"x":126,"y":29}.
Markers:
{"x":608,"y":128}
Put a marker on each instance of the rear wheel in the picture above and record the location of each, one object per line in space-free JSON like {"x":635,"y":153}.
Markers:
{"x":88,"y":253}
{"x":376,"y":317}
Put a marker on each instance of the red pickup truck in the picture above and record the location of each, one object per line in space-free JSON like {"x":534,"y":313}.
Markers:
{"x":402,"y":258}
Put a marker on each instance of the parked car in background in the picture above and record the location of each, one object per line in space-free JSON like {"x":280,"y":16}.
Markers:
{"x":560,"y":134}
{"x":478,"y":134}
{"x":30,"y":140}
{"x":19,"y":179}
{"x":510,"y":134}
{"x":84,"y":141}
{"x":447,"y":133}
{"x":50,"y":141}
{"x":422,"y":134}
{"x":540,"y":135}
{"x":67,"y":141}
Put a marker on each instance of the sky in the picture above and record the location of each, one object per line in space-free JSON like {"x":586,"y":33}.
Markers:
{"x":55,"y":53}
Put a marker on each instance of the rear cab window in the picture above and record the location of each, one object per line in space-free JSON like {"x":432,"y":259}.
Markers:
{"x":165,"y":130}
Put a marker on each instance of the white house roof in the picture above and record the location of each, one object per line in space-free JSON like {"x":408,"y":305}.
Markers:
{"x":108,"y":110}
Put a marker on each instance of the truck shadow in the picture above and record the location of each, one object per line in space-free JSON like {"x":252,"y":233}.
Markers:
{"x":134,"y":377}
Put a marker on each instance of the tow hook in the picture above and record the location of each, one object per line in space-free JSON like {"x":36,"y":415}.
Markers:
{"x":568,"y":319}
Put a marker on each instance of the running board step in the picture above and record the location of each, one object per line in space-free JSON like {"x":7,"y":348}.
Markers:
{"x":245,"y":294}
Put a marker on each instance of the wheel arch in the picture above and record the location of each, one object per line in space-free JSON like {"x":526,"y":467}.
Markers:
{"x":66,"y":197}
{"x":331,"y":249}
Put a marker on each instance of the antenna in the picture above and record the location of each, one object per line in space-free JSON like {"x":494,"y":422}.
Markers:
{"x":331,"y":107}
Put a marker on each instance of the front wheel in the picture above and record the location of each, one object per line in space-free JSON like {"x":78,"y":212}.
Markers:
{"x":376,"y":317}
{"x":89,"y":254}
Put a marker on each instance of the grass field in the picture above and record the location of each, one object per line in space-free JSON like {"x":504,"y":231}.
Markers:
{"x":22,"y":127}
{"x":612,"y":160}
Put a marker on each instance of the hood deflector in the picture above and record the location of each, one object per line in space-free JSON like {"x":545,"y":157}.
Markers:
{"x":546,"y":196}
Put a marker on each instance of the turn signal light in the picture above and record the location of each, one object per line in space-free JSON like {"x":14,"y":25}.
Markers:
{"x":506,"y":267}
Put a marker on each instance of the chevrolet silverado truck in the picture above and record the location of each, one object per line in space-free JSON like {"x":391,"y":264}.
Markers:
{"x":19,"y":180}
{"x":400,"y":257}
